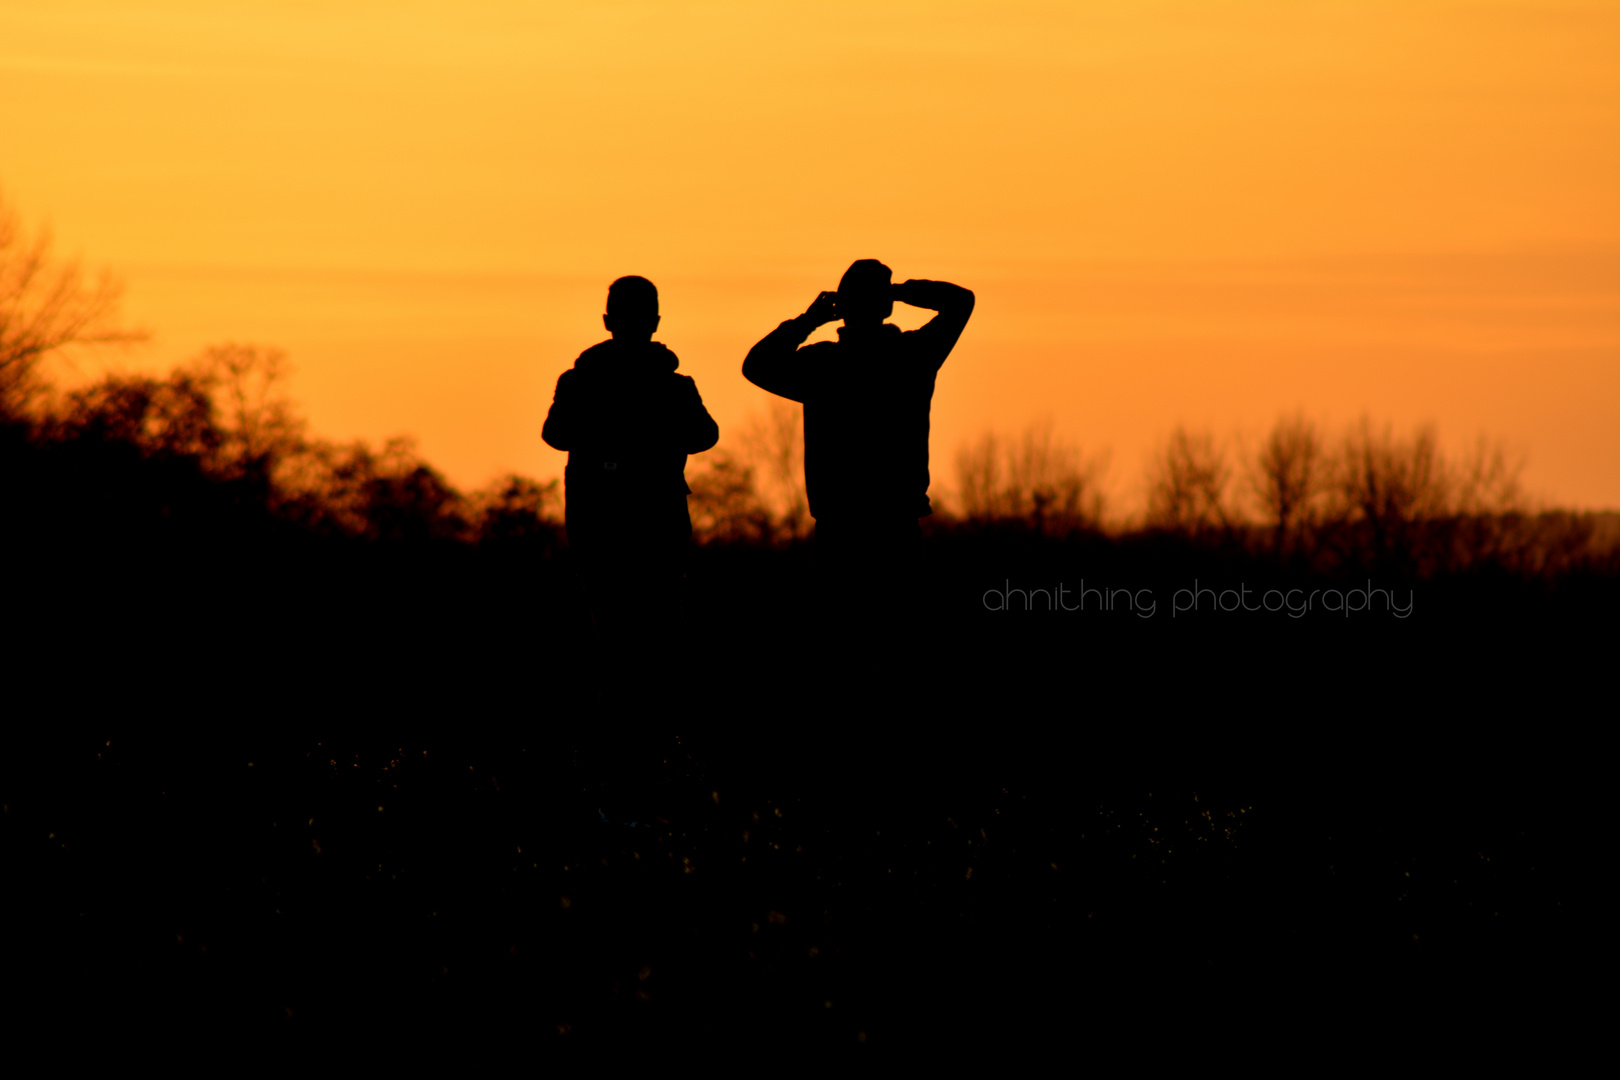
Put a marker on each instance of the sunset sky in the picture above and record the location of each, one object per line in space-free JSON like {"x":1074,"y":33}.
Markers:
{"x":1205,"y":212}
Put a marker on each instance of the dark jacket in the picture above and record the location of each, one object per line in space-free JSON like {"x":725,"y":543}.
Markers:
{"x":628,"y":421}
{"x":867,"y":399}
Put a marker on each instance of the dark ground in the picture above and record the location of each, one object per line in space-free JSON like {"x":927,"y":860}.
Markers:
{"x":362,"y":797}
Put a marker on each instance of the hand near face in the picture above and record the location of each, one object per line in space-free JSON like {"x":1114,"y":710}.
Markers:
{"x":824,"y":309}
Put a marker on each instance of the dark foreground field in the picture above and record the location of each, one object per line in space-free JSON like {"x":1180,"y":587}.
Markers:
{"x":321,"y":887}
{"x":402,"y":816}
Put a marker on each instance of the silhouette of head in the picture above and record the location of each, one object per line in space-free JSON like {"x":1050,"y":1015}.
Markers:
{"x":865,"y":296}
{"x":632,"y":309}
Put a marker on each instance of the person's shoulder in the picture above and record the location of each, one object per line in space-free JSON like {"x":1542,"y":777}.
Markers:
{"x":596,"y":354}
{"x":659,"y":354}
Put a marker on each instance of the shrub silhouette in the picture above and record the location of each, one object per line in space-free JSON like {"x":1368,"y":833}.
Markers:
{"x":216,"y":439}
{"x":518,"y":510}
{"x":726,"y":506}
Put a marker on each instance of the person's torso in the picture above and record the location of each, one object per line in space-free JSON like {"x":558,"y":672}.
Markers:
{"x":866,"y":426}
{"x":630,"y":417}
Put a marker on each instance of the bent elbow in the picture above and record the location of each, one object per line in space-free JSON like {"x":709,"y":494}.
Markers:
{"x":758,"y":365}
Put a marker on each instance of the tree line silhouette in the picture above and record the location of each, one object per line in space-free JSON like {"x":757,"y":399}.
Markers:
{"x":217,"y":446}
{"x":136,"y":497}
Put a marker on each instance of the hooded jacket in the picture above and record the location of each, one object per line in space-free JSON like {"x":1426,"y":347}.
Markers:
{"x":628,"y":422}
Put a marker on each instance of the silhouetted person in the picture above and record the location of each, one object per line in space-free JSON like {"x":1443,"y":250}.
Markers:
{"x":866,"y":402}
{"x":628,"y":422}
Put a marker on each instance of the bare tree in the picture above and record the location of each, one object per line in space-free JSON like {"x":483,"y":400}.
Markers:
{"x":1489,"y":480}
{"x":1039,"y":479}
{"x":1491,"y":518}
{"x":1287,"y":478}
{"x":774,"y":449}
{"x":1188,"y":486}
{"x":46,"y":307}
{"x":1056,"y":488}
{"x":1388,"y":489}
{"x":980,"y":487}
{"x":246,"y":384}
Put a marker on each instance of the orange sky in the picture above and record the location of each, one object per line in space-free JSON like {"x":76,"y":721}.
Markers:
{"x":1204,"y":212}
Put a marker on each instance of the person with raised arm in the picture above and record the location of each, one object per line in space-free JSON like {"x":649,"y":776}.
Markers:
{"x":866,"y":402}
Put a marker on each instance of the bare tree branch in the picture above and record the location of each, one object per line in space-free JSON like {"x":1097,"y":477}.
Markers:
{"x":47,"y":307}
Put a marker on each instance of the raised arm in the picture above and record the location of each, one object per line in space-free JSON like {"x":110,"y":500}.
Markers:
{"x":954,"y":304}
{"x":773,"y":364}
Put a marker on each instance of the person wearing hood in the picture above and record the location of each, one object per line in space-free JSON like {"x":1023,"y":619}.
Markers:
{"x":628,"y":421}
